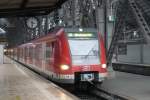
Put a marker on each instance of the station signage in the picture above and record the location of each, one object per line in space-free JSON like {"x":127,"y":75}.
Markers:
{"x":81,"y":35}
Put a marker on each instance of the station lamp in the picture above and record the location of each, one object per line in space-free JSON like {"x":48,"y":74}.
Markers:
{"x":81,"y":29}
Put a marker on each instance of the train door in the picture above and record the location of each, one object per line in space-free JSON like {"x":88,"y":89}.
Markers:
{"x":18,"y":53}
{"x":43,"y":57}
{"x":38,"y":56}
{"x":23,"y":49}
{"x":21,"y":55}
{"x":30,"y":55}
{"x":25,"y":55}
{"x":34,"y":57}
{"x":49,"y":57}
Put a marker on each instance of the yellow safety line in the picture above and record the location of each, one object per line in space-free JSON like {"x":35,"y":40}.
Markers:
{"x":17,"y":98}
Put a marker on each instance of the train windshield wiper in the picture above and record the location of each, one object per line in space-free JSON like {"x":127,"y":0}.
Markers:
{"x":91,"y":50}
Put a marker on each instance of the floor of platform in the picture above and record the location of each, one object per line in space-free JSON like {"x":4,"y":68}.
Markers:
{"x":131,"y":86}
{"x":19,"y":83}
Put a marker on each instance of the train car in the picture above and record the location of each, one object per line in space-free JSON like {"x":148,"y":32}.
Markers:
{"x":66,"y":55}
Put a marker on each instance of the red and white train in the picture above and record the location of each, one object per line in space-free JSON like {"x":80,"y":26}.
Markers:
{"x":65,"y":55}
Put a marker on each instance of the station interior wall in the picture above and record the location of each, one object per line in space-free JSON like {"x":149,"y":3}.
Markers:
{"x":136,"y":54}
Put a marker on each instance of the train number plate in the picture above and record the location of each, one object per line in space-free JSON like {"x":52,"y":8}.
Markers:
{"x":87,"y":77}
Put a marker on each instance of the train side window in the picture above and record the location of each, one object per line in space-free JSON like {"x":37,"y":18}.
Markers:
{"x":52,"y":48}
{"x":37,"y":50}
{"x":31,"y":52}
{"x":49,"y":49}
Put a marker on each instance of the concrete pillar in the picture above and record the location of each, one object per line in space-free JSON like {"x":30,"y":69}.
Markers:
{"x":101,"y":20}
{"x":1,"y":54}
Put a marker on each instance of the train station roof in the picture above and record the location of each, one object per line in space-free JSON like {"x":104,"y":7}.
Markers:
{"x":28,"y":7}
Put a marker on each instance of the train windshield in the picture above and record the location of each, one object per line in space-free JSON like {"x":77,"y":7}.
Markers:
{"x":84,"y":47}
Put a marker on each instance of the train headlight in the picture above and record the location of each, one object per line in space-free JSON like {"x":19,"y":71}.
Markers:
{"x":104,"y":65}
{"x":5,"y":50}
{"x":64,"y":67}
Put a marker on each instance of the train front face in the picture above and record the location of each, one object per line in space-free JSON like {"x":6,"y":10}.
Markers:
{"x":87,"y":54}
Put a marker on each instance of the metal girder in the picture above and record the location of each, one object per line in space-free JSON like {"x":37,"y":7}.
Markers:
{"x":72,"y":10}
{"x":122,"y":21}
{"x":24,"y":3}
{"x":32,"y":11}
{"x":80,"y":13}
{"x":25,"y":10}
{"x":118,"y":29}
{"x":140,"y":19}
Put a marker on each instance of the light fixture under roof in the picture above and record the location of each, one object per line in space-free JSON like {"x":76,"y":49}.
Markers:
{"x":81,"y":29}
{"x":2,"y":31}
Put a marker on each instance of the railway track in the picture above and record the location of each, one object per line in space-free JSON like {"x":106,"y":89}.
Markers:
{"x":104,"y":94}
{"x":87,"y":96}
{"x":93,"y":92}
{"x":82,"y":93}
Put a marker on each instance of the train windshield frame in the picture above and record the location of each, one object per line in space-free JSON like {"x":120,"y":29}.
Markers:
{"x":84,"y":48}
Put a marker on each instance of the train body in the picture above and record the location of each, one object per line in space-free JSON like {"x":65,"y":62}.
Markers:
{"x":65,"y":55}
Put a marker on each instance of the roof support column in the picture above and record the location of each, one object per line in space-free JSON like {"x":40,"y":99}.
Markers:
{"x":102,"y":19}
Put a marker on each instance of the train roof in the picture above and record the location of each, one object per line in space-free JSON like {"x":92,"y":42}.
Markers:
{"x":53,"y":32}
{"x":51,"y":36}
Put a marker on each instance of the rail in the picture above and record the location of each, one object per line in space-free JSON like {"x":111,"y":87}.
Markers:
{"x":107,"y":95}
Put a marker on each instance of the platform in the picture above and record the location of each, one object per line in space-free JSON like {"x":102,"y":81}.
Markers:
{"x":19,"y":83}
{"x":130,"y":86}
{"x":142,"y":69}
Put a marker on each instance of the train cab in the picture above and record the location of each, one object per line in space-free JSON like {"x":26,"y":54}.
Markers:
{"x":82,"y":55}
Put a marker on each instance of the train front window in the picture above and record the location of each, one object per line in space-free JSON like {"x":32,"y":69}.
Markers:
{"x":84,"y":48}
